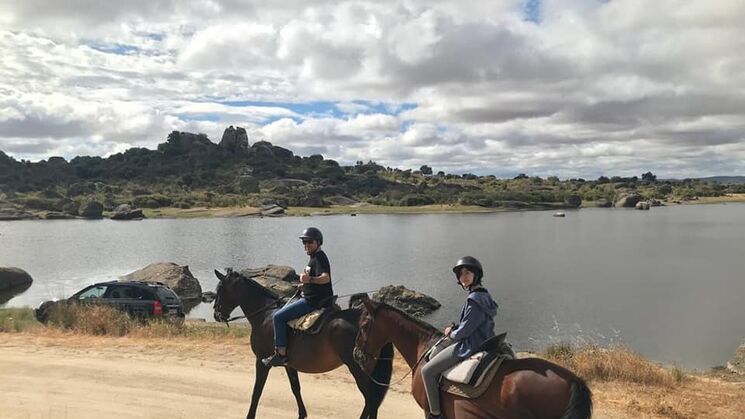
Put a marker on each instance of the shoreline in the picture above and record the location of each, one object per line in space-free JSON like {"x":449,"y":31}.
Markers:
{"x":366,"y":208}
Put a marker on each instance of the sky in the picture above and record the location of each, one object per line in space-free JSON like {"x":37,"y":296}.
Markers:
{"x":574,"y":88}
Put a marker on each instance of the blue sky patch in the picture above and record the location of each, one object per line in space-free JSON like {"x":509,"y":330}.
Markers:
{"x":118,"y":49}
{"x":532,"y":10}
{"x":320,"y":109}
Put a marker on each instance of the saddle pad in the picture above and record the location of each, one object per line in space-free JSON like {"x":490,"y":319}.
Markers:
{"x":463,"y":371}
{"x":483,"y":382}
{"x":305,"y":322}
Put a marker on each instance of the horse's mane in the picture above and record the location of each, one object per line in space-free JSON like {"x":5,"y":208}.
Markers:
{"x":414,"y":325}
{"x":254,"y":284}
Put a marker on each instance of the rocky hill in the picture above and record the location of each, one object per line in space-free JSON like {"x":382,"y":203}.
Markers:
{"x":189,"y":170}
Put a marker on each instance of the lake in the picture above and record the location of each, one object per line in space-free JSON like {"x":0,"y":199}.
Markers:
{"x":666,"y":282}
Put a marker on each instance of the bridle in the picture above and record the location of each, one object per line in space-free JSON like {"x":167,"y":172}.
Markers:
{"x":362,"y":357}
{"x":218,"y":305}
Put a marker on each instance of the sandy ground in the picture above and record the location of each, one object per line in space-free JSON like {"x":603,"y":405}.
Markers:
{"x":71,"y":376}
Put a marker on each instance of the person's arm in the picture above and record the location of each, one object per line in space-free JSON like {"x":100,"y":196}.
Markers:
{"x":323,"y":278}
{"x":472,"y":319}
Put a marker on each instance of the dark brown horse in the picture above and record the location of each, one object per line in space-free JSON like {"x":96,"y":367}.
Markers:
{"x":324,"y":351}
{"x":529,"y":388}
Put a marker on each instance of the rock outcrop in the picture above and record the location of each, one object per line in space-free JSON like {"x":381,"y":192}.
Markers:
{"x":281,"y":279}
{"x":91,"y":209}
{"x":178,"y":278}
{"x":13,"y":281}
{"x":126,"y":212}
{"x":628,"y":201}
{"x":410,"y":301}
{"x":13,"y":214}
{"x":234,"y":140}
{"x":603,"y":203}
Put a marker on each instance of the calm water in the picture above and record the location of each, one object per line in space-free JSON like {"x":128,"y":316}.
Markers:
{"x":667,"y":282}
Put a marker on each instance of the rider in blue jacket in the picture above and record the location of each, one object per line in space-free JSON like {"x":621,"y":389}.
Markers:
{"x":476,"y":326}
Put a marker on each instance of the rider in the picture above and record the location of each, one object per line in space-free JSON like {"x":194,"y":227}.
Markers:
{"x":317,"y":290}
{"x":476,"y":326}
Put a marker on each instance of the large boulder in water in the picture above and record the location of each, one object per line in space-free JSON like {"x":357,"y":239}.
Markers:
{"x":13,"y":281}
{"x":178,"y":278}
{"x":281,"y":279}
{"x":410,"y":301}
{"x":737,"y":363}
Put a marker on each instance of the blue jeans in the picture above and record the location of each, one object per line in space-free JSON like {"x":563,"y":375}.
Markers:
{"x":285,"y":314}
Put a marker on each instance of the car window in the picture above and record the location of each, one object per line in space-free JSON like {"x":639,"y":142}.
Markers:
{"x":94,"y":292}
{"x":166,"y":294}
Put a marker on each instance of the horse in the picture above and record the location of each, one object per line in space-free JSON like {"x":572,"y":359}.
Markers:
{"x":321,"y":352}
{"x":529,"y":388}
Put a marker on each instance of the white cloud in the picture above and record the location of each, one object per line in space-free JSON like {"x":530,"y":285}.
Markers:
{"x":595,"y":87}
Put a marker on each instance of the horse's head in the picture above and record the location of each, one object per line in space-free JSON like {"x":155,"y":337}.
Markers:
{"x":370,"y":339}
{"x":226,"y":294}
{"x":235,"y":290}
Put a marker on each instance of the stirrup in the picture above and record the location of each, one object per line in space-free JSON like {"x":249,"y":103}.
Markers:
{"x":433,"y":416}
{"x":275,"y":360}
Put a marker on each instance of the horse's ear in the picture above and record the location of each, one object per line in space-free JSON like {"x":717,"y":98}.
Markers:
{"x":219,"y":275}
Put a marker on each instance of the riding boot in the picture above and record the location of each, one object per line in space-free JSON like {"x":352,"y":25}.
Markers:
{"x":433,"y":416}
{"x":276,"y":360}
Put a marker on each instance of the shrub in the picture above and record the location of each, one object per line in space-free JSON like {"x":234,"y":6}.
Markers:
{"x":611,"y":364}
{"x":91,"y":319}
{"x":16,"y":319}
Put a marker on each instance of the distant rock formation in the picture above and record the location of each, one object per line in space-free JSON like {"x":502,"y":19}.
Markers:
{"x":234,"y":140}
{"x":603,"y":203}
{"x":91,"y":209}
{"x":628,"y":201}
{"x":642,"y":205}
{"x":126,"y":212}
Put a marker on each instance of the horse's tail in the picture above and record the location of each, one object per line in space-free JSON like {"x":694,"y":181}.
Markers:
{"x":382,"y":373}
{"x":580,"y":401}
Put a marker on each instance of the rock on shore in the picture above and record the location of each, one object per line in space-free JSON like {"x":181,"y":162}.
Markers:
{"x":410,"y":301}
{"x":13,"y":281}
{"x":178,"y":278}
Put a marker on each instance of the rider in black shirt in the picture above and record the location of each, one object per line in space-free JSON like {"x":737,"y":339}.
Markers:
{"x":317,"y":290}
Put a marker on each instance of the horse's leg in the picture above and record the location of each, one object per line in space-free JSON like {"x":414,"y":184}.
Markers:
{"x":262,"y":372}
{"x":295,"y":385}
{"x":364,"y":384}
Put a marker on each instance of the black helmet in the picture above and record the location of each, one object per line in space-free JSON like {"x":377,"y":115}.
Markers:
{"x":312,"y":233}
{"x":472,"y":264}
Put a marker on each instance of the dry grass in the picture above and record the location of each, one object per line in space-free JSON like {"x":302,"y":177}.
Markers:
{"x":107,"y":321}
{"x":617,"y":364}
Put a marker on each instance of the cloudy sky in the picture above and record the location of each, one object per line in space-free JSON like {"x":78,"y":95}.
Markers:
{"x":546,"y":87}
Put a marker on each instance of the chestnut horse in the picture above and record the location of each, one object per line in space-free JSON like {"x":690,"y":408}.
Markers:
{"x":324,"y":351}
{"x":529,"y":388}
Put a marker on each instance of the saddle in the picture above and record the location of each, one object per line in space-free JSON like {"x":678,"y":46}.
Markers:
{"x":471,"y":377}
{"x":313,"y":322}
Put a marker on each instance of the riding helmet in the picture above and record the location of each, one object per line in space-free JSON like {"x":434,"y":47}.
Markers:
{"x":312,"y":233}
{"x":472,"y":264}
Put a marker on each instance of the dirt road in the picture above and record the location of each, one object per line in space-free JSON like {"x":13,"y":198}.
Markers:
{"x":73,"y":376}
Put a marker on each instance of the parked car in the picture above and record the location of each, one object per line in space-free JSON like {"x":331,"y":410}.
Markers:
{"x":141,"y":300}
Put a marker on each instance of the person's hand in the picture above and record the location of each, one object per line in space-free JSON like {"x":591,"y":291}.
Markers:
{"x":447,"y":330}
{"x":304,"y":278}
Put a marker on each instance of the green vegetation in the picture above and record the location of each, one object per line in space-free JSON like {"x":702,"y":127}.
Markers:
{"x":189,"y":171}
{"x":17,"y":319}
